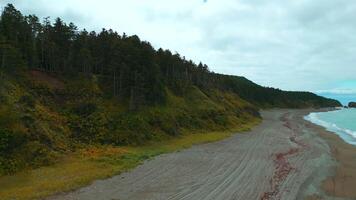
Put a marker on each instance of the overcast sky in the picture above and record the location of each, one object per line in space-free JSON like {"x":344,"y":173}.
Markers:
{"x":288,"y":44}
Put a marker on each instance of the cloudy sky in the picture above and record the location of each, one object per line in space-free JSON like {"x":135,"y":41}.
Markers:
{"x":293,"y":44}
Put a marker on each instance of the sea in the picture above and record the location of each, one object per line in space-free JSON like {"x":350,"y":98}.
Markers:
{"x":342,"y":122}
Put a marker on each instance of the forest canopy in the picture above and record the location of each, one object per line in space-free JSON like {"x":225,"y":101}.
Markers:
{"x":125,"y":66}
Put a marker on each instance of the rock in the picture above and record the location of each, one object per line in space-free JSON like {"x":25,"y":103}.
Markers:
{"x":352,"y":104}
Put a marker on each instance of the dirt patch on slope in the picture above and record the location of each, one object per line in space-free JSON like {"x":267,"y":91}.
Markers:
{"x":47,"y":79}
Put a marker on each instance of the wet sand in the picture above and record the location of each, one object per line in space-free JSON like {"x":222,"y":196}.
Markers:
{"x":343,"y":182}
{"x":282,"y":158}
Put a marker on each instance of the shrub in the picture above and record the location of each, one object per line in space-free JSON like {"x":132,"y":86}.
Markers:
{"x":37,"y":154}
{"x":9,"y":166}
{"x":129,"y":129}
{"x":7,"y":141}
{"x":10,"y":141}
{"x":27,"y":101}
{"x":85,"y":109}
{"x":221,"y":120}
{"x":7,"y":116}
{"x":88,"y":129}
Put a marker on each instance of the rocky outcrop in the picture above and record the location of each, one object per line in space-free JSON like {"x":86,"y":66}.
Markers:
{"x":352,"y":104}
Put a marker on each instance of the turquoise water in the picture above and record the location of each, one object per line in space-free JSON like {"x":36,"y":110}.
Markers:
{"x":342,"y":122}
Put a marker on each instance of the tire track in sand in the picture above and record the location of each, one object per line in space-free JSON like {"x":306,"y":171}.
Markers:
{"x":282,"y":166}
{"x":272,"y":161}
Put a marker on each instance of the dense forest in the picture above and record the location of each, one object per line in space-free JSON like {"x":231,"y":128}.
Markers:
{"x":61,"y":87}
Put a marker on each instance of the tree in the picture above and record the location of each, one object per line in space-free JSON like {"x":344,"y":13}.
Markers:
{"x":34,"y":29}
{"x":11,"y":59}
{"x":85,"y":60}
{"x":11,"y":23}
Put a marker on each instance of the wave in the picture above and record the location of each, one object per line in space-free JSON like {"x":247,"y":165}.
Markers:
{"x":347,"y":135}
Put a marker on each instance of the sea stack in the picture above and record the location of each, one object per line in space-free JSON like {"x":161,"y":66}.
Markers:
{"x":352,"y":105}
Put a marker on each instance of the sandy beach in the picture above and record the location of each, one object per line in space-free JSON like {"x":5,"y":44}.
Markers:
{"x":285,"y":157}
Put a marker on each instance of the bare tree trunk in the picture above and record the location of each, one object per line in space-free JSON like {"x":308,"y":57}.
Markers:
{"x":186,"y":74}
{"x":114,"y":82}
{"x":132,"y":105}
{"x":120,"y":82}
{"x":132,"y":98}
{"x":2,"y":65}
{"x":173,"y":72}
{"x":35,"y":56}
{"x":42,"y":54}
{"x":101,"y":68}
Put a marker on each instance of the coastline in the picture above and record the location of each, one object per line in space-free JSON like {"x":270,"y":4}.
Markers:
{"x":342,"y":183}
{"x":284,"y":157}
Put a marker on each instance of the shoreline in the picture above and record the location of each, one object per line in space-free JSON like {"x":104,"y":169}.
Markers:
{"x":284,"y":157}
{"x":342,"y":183}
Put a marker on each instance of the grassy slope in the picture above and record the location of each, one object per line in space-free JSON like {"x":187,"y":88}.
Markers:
{"x":91,"y":163}
{"x":45,"y":117}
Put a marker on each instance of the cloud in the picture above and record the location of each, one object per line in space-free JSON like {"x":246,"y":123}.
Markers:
{"x":293,"y":45}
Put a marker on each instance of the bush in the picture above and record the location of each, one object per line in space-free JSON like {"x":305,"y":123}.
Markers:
{"x":221,"y":120}
{"x":10,"y":141}
{"x":37,"y":154}
{"x":9,"y":166}
{"x":2,"y":97}
{"x":7,"y":116}
{"x":85,"y":109}
{"x":7,"y":141}
{"x":128,"y":129}
{"x":28,"y":101}
{"x":88,"y":129}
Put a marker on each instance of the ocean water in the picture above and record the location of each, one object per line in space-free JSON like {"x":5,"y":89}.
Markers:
{"x":342,"y":122}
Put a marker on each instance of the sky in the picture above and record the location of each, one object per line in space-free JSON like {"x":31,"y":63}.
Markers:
{"x":293,"y":45}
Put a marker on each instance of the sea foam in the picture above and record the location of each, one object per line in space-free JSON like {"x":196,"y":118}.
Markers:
{"x":342,"y":122}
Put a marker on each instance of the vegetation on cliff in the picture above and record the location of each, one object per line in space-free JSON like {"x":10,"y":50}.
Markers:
{"x":352,"y":105}
{"x":62,"y":89}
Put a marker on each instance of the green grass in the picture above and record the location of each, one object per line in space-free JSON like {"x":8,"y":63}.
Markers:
{"x":60,"y":149}
{"x":98,"y":162}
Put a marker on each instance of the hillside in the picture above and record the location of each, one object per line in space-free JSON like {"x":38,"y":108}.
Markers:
{"x":62,"y":89}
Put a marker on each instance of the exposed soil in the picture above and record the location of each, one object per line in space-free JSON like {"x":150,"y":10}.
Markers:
{"x":47,"y":79}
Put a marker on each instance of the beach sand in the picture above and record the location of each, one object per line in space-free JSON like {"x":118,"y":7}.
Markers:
{"x":343,"y":182}
{"x":285,"y":157}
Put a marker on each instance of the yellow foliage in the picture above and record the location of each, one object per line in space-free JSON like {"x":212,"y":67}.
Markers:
{"x":102,"y":151}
